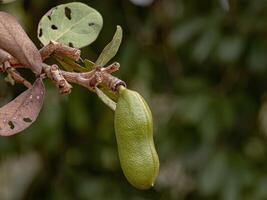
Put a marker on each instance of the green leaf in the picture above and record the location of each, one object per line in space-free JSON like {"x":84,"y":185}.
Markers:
{"x":74,"y":24}
{"x":88,"y":64}
{"x":65,"y":66}
{"x":111,"y":49}
{"x":106,"y":100}
{"x":112,"y":95}
{"x":70,"y":65}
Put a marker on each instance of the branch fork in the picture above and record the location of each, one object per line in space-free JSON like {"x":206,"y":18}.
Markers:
{"x":89,"y":80}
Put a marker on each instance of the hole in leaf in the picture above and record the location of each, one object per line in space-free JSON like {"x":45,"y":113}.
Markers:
{"x":49,"y":17}
{"x":70,"y":44}
{"x":11,"y":125}
{"x":40,"y":32}
{"x":27,"y":119}
{"x":68,"y":13}
{"x":91,"y":24}
{"x":54,"y":27}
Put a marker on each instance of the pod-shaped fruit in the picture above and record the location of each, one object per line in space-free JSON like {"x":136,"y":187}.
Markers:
{"x":134,"y":134}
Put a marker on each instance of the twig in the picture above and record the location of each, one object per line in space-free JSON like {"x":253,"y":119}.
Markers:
{"x":56,"y":75}
{"x":89,"y":80}
{"x":59,"y":49}
{"x":15,"y":75}
{"x":112,"y":68}
{"x":5,"y":66}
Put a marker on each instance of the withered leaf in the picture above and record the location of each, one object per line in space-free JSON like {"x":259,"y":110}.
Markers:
{"x":4,"y":56}
{"x":20,"y":113}
{"x":16,"y":42}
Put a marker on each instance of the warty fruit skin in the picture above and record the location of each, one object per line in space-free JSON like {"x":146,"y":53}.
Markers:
{"x":134,"y":134}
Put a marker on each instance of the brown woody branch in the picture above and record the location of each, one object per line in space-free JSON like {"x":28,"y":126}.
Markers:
{"x":93,"y":78}
{"x":15,"y":74}
{"x":59,"y":49}
{"x":89,"y":80}
{"x":55,"y":74}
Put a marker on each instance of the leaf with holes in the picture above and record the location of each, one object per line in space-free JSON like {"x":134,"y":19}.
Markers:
{"x":20,"y":113}
{"x":111,"y":49}
{"x":74,"y":24}
{"x":16,"y":42}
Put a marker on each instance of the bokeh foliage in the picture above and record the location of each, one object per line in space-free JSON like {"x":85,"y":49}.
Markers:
{"x":202,"y":69}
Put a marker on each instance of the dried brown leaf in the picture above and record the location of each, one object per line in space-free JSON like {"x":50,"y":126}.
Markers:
{"x":16,"y":42}
{"x":20,"y":113}
{"x":4,"y":56}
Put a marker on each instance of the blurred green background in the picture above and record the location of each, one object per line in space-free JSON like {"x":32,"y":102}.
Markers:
{"x":201,"y":66}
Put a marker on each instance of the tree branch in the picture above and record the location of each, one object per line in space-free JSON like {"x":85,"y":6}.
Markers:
{"x":15,"y":74}
{"x":59,"y":49}
{"x":89,"y":80}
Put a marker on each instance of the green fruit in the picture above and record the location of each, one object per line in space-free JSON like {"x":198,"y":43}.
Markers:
{"x":134,"y":134}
